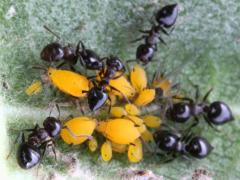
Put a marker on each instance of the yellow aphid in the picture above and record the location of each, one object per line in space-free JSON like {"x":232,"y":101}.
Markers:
{"x":163,"y":83}
{"x":120,"y":148}
{"x":120,"y":131}
{"x":78,"y":130}
{"x":138,"y":78}
{"x":92,"y":144}
{"x":135,"y":119}
{"x":132,"y":109}
{"x":135,"y":152}
{"x":141,"y":128}
{"x":106,"y":151}
{"x":122,"y":85}
{"x":118,"y":112}
{"x":69,"y":82}
{"x":34,"y":88}
{"x":145,"y":97}
{"x":152,"y":121}
{"x":147,"y":136}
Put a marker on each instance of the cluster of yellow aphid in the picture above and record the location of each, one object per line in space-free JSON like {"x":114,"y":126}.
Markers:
{"x":125,"y":129}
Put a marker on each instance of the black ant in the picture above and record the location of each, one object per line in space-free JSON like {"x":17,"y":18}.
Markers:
{"x":215,"y":113}
{"x":31,"y":152}
{"x":89,"y":59}
{"x":166,"y":18}
{"x":176,"y":145}
{"x":55,"y":52}
{"x":97,"y":95}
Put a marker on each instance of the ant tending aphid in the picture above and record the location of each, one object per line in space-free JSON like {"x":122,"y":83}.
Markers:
{"x":55,"y":52}
{"x":31,"y":152}
{"x":97,"y":95}
{"x":166,"y":18}
{"x":176,"y":145}
{"x":215,"y":113}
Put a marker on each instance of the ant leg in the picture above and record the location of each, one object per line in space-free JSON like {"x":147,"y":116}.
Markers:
{"x":91,"y":77}
{"x":60,"y":65}
{"x":145,"y":31}
{"x":129,"y":61}
{"x":76,"y":136}
{"x":125,"y":97}
{"x":183,"y":98}
{"x":207,"y":94}
{"x":79,"y":105}
{"x":164,"y":31}
{"x":162,"y":41}
{"x":15,"y":142}
{"x":110,"y":104}
{"x":138,"y":39}
{"x":210,"y":124}
{"x":122,"y":72}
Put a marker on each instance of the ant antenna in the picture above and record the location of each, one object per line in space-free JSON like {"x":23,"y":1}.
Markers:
{"x":50,"y":31}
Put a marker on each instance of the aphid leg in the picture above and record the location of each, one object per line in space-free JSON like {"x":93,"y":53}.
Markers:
{"x":207,"y":94}
{"x":125,"y":97}
{"x":21,"y":134}
{"x":138,"y":39}
{"x":210,"y":124}
{"x":76,"y":136}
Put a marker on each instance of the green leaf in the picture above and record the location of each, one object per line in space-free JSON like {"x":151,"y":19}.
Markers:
{"x":203,"y":48}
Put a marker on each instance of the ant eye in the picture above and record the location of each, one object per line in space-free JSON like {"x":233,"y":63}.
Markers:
{"x":219,"y":113}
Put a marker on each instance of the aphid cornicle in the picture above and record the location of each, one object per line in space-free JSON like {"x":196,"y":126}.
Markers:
{"x":30,"y":152}
{"x":215,"y":113}
{"x":176,"y":145}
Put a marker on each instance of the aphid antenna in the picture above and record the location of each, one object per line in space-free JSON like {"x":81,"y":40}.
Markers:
{"x":76,"y":136}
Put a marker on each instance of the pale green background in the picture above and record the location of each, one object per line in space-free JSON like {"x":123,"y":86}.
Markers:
{"x":205,"y":41}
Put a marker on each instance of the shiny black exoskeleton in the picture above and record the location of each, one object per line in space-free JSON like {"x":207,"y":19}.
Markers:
{"x":31,"y":152}
{"x":55,"y":52}
{"x":89,"y":59}
{"x":165,"y":18}
{"x":97,"y":95}
{"x":175,"y":145}
{"x":215,"y":113}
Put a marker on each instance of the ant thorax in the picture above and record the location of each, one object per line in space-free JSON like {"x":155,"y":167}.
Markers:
{"x":180,"y":147}
{"x":198,"y":109}
{"x":152,"y":39}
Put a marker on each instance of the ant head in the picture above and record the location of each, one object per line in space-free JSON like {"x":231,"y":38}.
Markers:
{"x":145,"y":53}
{"x":115,"y":62}
{"x":166,"y":140}
{"x":53,"y":126}
{"x":179,"y":112}
{"x":52,"y":52}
